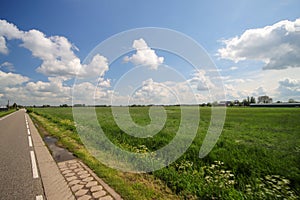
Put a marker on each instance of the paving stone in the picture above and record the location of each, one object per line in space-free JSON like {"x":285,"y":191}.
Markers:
{"x":74,"y":182}
{"x":96,"y":188}
{"x":77,"y":170}
{"x":66,"y":171}
{"x":82,"y":172}
{"x":99,"y":194}
{"x":106,"y":198}
{"x":85,"y":197}
{"x":72,"y":167}
{"x":88,"y":179}
{"x":71,"y":178}
{"x":69,"y":174}
{"x":81,"y":192}
{"x":84,"y":175}
{"x":72,"y":161}
{"x":61,"y":164}
{"x":83,"y":182}
{"x":91,"y":183}
{"x":76,"y":187}
{"x":63,"y":168}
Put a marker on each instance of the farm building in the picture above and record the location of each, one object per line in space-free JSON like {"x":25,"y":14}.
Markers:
{"x":3,"y":108}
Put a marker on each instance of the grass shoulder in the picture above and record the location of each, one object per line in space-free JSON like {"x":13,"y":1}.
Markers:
{"x":129,"y":186}
{"x":4,"y":113}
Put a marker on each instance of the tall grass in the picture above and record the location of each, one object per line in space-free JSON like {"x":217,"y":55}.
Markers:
{"x":257,"y":155}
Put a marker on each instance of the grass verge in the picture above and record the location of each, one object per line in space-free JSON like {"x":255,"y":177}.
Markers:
{"x":129,"y":186}
{"x":4,"y":113}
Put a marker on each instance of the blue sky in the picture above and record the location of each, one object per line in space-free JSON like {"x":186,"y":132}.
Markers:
{"x":30,"y":77}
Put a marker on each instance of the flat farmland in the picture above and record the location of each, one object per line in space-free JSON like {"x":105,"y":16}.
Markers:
{"x":256,"y":157}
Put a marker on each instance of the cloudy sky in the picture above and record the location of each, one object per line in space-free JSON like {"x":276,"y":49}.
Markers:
{"x":255,"y":46}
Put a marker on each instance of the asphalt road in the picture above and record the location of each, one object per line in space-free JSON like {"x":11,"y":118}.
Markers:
{"x":17,"y":177}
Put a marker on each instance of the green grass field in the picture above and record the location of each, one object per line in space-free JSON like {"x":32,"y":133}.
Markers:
{"x":3,"y":113}
{"x":256,"y":157}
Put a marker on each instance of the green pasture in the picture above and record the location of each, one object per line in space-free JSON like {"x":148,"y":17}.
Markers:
{"x":256,"y":157}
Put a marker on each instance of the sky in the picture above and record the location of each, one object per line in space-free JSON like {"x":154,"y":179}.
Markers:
{"x":44,"y":46}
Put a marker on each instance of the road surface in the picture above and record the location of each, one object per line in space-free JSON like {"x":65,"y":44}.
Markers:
{"x":19,"y":175}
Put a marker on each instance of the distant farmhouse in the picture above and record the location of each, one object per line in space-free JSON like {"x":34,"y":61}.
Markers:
{"x":264,"y":99}
{"x":3,"y":108}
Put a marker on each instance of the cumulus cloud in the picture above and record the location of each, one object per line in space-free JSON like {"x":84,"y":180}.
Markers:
{"x":59,"y":63}
{"x":58,"y":56}
{"x":144,"y":55}
{"x":11,"y":79}
{"x":289,"y":88}
{"x":193,"y":90}
{"x":19,"y":88}
{"x":56,"y":52}
{"x":278,"y":45}
{"x":200,"y":80}
{"x":233,"y":68}
{"x":98,"y":66}
{"x":8,"y":66}
{"x":3,"y":48}
{"x":9,"y":31}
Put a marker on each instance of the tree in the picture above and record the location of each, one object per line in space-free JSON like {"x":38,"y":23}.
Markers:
{"x":291,"y":101}
{"x":252,"y":100}
{"x":14,"y":106}
{"x":246,"y":102}
{"x":215,"y":103}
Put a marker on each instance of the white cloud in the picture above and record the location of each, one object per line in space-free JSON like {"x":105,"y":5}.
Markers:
{"x":144,"y":55}
{"x":56,"y":52}
{"x":153,"y":92}
{"x":28,"y":93}
{"x":236,"y":81}
{"x":104,"y":83}
{"x":233,"y":68}
{"x":59,"y":63}
{"x":3,"y":48}
{"x":289,"y":88}
{"x":8,"y":66}
{"x":9,"y":31}
{"x":97,"y":67}
{"x":200,"y":81}
{"x":11,"y":79}
{"x":278,"y":45}
{"x":260,"y":91}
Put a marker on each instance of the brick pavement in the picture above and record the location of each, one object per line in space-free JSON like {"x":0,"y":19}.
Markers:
{"x":84,"y":183}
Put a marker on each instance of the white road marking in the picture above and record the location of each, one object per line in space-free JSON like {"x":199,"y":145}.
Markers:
{"x":28,"y":131}
{"x":39,"y":197}
{"x":35,"y":173}
{"x":27,"y":126}
{"x":29,"y":141}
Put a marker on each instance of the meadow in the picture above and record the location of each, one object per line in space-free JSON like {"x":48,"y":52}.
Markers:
{"x":256,"y":157}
